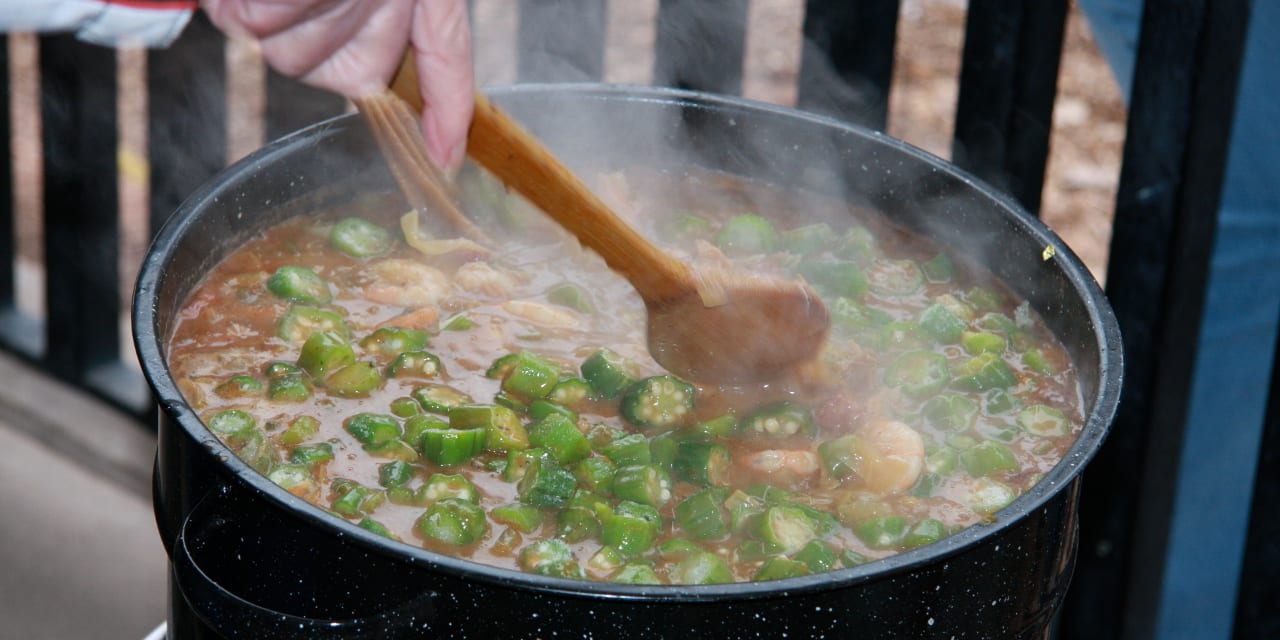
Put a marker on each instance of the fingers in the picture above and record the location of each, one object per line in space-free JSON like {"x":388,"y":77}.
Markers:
{"x":354,"y":46}
{"x":441,"y":39}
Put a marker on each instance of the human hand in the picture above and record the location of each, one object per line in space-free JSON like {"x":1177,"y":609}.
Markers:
{"x":354,"y":47}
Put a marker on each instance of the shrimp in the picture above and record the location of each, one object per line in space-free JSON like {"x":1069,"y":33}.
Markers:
{"x":542,"y":314}
{"x":422,"y":319}
{"x":789,"y":467}
{"x":406,"y":283}
{"x":480,"y":277}
{"x":890,"y":457}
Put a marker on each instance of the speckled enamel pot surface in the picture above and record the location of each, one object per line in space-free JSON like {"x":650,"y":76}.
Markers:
{"x":249,"y":560}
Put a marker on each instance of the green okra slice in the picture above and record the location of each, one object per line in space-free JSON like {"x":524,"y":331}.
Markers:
{"x":702,"y":567}
{"x":662,"y":401}
{"x":454,"y":522}
{"x":360,"y":238}
{"x":299,"y":284}
{"x":609,"y":373}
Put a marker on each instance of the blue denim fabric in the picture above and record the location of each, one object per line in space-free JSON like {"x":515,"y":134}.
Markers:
{"x":1237,"y":337}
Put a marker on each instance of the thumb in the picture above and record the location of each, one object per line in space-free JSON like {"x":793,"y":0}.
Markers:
{"x":441,"y":41}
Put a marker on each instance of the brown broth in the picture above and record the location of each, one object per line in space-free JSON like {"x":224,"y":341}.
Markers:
{"x":228,"y":327}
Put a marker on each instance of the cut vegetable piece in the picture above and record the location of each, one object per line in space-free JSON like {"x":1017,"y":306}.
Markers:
{"x":882,"y":533}
{"x":779,"y":420}
{"x":988,"y":457}
{"x":439,"y":398}
{"x":703,"y":567}
{"x":530,"y":376}
{"x":609,"y":373}
{"x":631,"y":528}
{"x":449,"y":486}
{"x":983,"y":372}
{"x":453,"y":522}
{"x":701,"y":463}
{"x":778,"y":568}
{"x":373,"y":428}
{"x":1044,"y":420}
{"x":354,"y":380}
{"x":939,"y":269}
{"x":561,"y":438}
{"x":746,"y":235}
{"x":919,"y":374}
{"x":942,"y":324}
{"x":950,"y":412}
{"x":241,"y":386}
{"x":299,"y":284}
{"x":545,"y":484}
{"x":360,"y":238}
{"x":393,"y":341}
{"x":523,"y":517}
{"x":835,"y":278}
{"x":325,"y":352}
{"x":702,"y":516}
{"x":571,"y":296}
{"x":927,"y":531}
{"x":646,"y":484}
{"x":448,"y":447}
{"x":894,"y":278}
{"x":659,"y":402}
{"x":300,"y":321}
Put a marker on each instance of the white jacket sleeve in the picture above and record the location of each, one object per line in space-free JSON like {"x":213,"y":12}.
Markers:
{"x":152,"y":23}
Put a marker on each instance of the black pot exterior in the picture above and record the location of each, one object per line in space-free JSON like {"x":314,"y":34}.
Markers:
{"x":250,"y":560}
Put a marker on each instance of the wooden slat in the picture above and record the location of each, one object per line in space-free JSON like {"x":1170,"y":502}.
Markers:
{"x":1008,"y":81}
{"x":81,"y":234}
{"x":187,"y":115}
{"x":20,"y":333}
{"x":1258,"y":602}
{"x":1166,"y":214}
{"x":846,"y":64}
{"x":8,"y":221}
{"x":560,"y":41}
{"x":701,"y":45}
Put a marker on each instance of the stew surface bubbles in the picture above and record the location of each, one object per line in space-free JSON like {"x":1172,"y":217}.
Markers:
{"x":496,"y":402}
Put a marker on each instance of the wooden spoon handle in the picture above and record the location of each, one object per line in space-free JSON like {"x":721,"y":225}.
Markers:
{"x":501,"y":145}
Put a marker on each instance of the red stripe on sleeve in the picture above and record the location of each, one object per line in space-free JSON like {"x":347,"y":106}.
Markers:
{"x":168,"y":5}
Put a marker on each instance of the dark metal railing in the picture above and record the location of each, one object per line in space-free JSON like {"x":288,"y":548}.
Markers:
{"x":1181,"y":110}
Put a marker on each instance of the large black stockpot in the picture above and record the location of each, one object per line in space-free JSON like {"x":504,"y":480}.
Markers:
{"x":250,"y":560}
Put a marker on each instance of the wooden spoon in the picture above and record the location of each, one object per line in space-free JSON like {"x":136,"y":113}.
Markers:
{"x":705,"y":325}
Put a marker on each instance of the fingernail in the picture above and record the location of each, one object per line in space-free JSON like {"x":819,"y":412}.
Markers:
{"x":457,"y":153}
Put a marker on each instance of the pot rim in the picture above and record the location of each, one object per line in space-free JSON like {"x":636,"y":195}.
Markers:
{"x":1104,"y":402}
